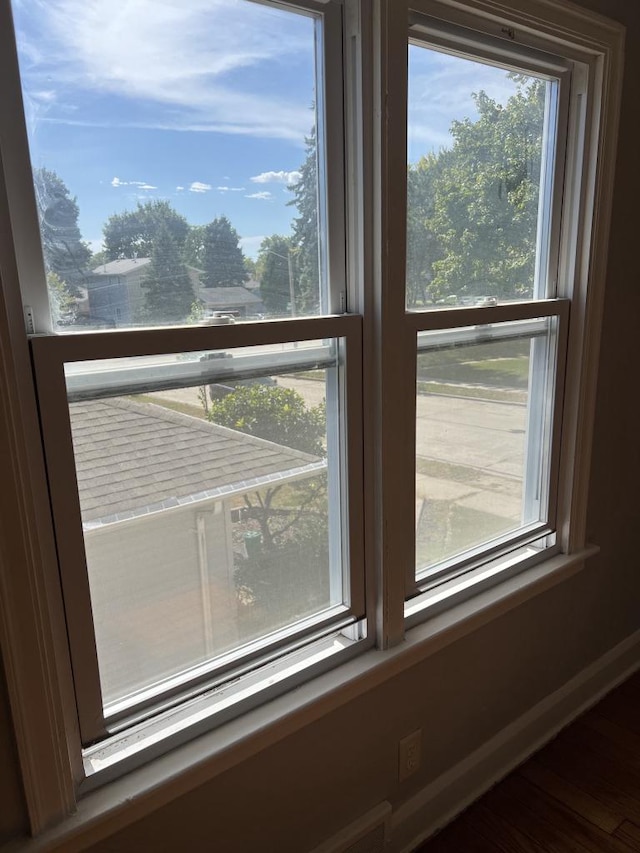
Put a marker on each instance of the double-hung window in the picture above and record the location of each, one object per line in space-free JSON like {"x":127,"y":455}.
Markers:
{"x":198,"y":386}
{"x":486,"y":300}
{"x":306,"y":289}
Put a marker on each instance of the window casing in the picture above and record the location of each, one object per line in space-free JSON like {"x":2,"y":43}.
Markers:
{"x":391,"y":335}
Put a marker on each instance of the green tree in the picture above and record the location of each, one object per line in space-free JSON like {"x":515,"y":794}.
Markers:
{"x":134,"y":232}
{"x":219,"y":254}
{"x":276,"y":265}
{"x":61,"y":300}
{"x":306,"y":232}
{"x":276,"y":414}
{"x":169,"y":294}
{"x":423,"y":244}
{"x":486,"y":198}
{"x":286,"y":574}
{"x":65,"y":255}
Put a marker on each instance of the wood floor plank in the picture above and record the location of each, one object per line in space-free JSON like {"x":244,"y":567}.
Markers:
{"x":629,"y":833}
{"x":616,"y":734}
{"x":592,"y":810}
{"x":547,"y":821}
{"x":613,"y":785}
{"x":609,"y":740}
{"x":462,"y":835}
{"x":580,"y":794}
{"x":622,"y":709}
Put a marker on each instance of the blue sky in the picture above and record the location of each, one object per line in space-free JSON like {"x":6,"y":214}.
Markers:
{"x":205,"y":104}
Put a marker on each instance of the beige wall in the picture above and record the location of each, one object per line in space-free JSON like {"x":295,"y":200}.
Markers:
{"x":301,"y":790}
{"x":155,"y":607}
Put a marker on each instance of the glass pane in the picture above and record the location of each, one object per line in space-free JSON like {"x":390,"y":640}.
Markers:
{"x":483,"y":437}
{"x":204,"y":508}
{"x":479,"y":181}
{"x":175,"y":159}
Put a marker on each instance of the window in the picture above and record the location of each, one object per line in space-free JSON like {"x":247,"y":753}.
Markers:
{"x":298,"y":317}
{"x":483,"y":221}
{"x":192,"y":373}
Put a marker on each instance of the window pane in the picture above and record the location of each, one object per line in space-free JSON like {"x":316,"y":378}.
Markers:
{"x":204,"y":508}
{"x":175,"y":159}
{"x":479,"y":181}
{"x":483,"y":436}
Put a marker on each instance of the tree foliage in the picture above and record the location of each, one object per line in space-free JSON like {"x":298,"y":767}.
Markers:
{"x":276,"y":265}
{"x":273,"y":413}
{"x":473,"y":208}
{"x":306,"y":232}
{"x":169,"y":293}
{"x":61,"y":300}
{"x":134,"y":232}
{"x":286,"y":575}
{"x":65,"y":255}
{"x":215,"y":249}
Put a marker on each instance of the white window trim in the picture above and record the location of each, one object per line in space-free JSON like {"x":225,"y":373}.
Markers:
{"x":31,"y":618}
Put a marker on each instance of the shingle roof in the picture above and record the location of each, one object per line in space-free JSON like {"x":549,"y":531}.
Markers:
{"x":121,"y":266}
{"x":134,"y":458}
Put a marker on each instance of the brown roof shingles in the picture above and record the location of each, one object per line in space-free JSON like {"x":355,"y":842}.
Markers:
{"x":133,"y":458}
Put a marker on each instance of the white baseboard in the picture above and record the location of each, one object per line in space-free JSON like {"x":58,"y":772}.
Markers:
{"x":443,"y":799}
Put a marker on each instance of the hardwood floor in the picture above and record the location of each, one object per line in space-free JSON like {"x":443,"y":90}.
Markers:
{"x":580,"y":794}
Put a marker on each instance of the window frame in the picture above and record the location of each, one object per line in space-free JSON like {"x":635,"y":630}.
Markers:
{"x":32,"y":628}
{"x":458,"y":39}
{"x":50,"y":354}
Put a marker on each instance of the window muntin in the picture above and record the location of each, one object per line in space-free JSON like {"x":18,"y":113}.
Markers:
{"x":180,"y":167}
{"x":484,"y":424}
{"x":481,"y":161}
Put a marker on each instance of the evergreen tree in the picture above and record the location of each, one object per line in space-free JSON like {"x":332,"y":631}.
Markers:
{"x":65,"y":255}
{"x":133,"y":232}
{"x":169,"y":293}
{"x":220,"y":255}
{"x":306,"y":233}
{"x":276,"y":269}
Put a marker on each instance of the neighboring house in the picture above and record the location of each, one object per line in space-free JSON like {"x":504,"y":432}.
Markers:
{"x":156,"y":492}
{"x":238,"y":300}
{"x":116,"y":294}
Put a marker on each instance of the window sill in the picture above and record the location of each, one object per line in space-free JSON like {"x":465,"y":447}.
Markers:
{"x":142,"y":791}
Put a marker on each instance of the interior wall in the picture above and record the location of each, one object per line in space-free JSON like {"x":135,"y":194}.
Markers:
{"x":13,"y":817}
{"x":301,"y":790}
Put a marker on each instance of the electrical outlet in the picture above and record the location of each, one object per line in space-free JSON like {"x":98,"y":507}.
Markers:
{"x":409,"y":754}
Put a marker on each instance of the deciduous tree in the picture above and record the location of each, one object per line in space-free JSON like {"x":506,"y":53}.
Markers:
{"x":133,"y":233}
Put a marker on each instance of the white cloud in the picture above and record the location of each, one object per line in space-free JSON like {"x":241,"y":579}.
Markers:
{"x":143,"y":185}
{"x":199,"y":187}
{"x":179,"y":189}
{"x":231,"y":189}
{"x":265,"y":196}
{"x":181,"y":63}
{"x":441,"y":90}
{"x":277,"y":177}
